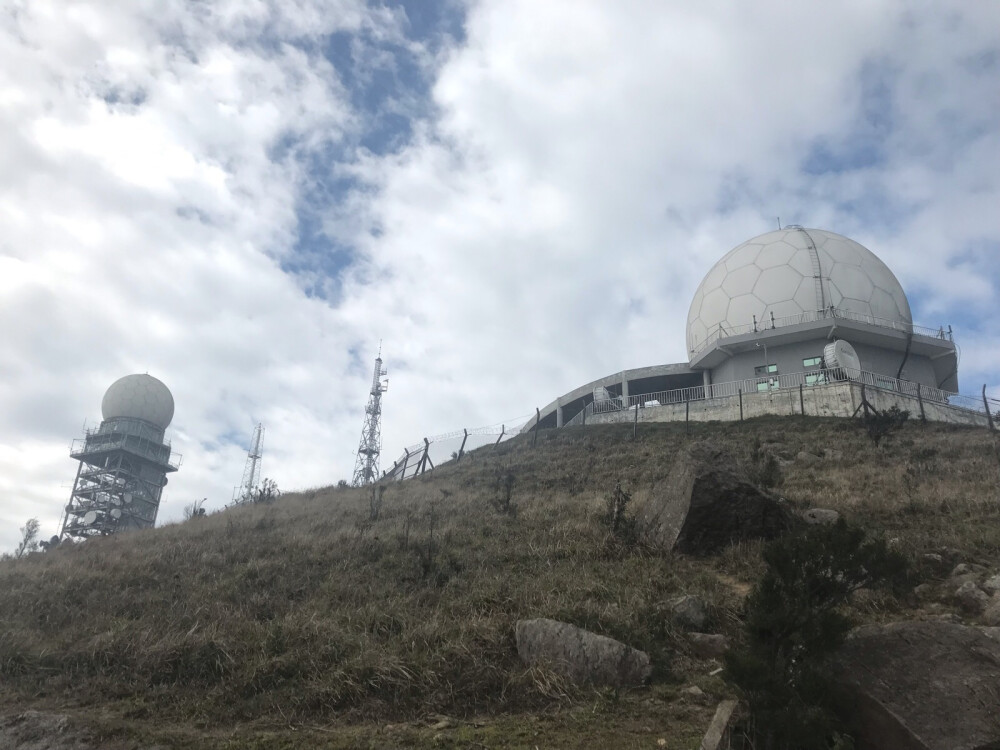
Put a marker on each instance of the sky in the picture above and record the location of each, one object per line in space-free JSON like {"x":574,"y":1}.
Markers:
{"x":244,"y":197}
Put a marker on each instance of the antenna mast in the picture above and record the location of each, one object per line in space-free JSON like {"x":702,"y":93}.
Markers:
{"x":251,"y":473}
{"x":366,"y":466}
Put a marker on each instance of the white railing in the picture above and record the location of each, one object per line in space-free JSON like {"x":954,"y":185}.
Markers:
{"x":831,"y":313}
{"x":777,"y":382}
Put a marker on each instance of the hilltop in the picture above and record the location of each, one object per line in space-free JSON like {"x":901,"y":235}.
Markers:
{"x":306,"y":623}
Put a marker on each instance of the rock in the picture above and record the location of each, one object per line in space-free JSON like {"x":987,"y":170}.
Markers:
{"x":713,"y":739}
{"x":34,"y":730}
{"x":991,"y":616}
{"x":960,"y":570}
{"x":932,"y":558}
{"x":708,"y":645}
{"x":924,"y":591}
{"x":582,"y":656}
{"x":971,"y":598}
{"x":992,"y":585}
{"x":832,"y":454}
{"x":703,"y":508}
{"x":807,"y":458}
{"x":991,"y":632}
{"x":920,"y":686}
{"x":689,"y":612}
{"x":696,"y":694}
{"x":820,"y":516}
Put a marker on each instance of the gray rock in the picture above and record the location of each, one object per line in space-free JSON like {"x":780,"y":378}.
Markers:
{"x":708,"y":645}
{"x":991,"y":615}
{"x":703,"y":508}
{"x":809,"y":459}
{"x":34,"y":730}
{"x":820,"y":516}
{"x":924,"y":591}
{"x":960,"y":570}
{"x":688,"y":612}
{"x":920,"y":686}
{"x":582,"y":656}
{"x":717,"y":730}
{"x":971,"y":598}
{"x":933,"y":558}
{"x":992,"y":585}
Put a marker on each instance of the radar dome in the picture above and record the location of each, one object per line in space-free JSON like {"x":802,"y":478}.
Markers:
{"x":139,"y":397}
{"x":794,"y":272}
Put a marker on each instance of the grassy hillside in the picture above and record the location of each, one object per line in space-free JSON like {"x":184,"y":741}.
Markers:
{"x":304,"y":623}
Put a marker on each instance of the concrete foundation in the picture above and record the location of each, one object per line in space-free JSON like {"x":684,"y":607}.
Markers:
{"x":828,"y":400}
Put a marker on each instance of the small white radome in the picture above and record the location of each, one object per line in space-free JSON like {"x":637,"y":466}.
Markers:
{"x":139,"y":397}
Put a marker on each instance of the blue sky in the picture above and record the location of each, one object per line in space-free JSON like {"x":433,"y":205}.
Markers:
{"x":243,"y":197}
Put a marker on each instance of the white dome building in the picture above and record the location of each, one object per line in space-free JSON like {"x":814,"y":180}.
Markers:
{"x":787,"y":310}
{"x":793,"y":275}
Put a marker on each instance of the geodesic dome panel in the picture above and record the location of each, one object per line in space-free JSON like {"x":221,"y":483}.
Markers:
{"x":793,"y":272}
{"x":139,"y":397}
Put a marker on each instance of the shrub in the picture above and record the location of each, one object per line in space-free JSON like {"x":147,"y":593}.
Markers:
{"x":794,"y":619}
{"x":622,"y":524}
{"x":504,"y":482}
{"x":880,"y":424}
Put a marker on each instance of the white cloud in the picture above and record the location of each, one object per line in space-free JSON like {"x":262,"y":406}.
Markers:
{"x":582,"y":166}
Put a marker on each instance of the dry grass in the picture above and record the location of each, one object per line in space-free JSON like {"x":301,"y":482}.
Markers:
{"x":304,"y":613}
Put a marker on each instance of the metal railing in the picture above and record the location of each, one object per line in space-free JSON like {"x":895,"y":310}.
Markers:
{"x":779,"y":382}
{"x":831,"y":313}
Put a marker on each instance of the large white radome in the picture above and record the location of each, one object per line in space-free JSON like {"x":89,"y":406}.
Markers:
{"x":776,"y":273}
{"x":139,"y":397}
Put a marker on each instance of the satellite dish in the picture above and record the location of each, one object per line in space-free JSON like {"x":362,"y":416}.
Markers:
{"x":840,"y":355}
{"x":90,"y":517}
{"x":128,"y":497}
{"x":116,"y":514}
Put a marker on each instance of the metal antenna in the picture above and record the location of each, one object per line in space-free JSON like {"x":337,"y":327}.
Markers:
{"x":366,"y":465}
{"x":251,"y":473}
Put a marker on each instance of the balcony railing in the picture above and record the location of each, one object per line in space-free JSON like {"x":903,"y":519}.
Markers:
{"x":832,"y":313}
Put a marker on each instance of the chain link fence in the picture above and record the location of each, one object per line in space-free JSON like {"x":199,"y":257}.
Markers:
{"x":451,"y":446}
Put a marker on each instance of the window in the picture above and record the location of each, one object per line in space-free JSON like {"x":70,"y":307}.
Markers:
{"x":765,"y":370}
{"x":814,"y":378}
{"x":812,"y":361}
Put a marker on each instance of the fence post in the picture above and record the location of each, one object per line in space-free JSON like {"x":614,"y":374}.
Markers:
{"x":687,"y":412}
{"x":802,"y":401}
{"x":635,"y":421}
{"x":502,"y":428}
{"x":422,"y":465}
{"x":741,"y":404}
{"x":920,"y":400}
{"x":986,"y":404}
{"x":538,"y":425}
{"x":461,"y":449}
{"x":406,"y":462}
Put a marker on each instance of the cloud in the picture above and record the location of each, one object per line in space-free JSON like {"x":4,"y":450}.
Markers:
{"x":244,"y":197}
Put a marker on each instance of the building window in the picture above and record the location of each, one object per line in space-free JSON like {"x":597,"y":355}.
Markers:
{"x":812,"y":361}
{"x":815,"y":378}
{"x":763,"y":370}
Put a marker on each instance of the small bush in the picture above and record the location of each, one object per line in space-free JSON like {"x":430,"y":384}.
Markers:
{"x":880,"y":424}
{"x":622,"y":524}
{"x":504,"y":483}
{"x":761,"y":468}
{"x":794,"y":619}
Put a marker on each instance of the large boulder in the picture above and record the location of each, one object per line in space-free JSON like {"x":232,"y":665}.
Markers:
{"x":584,"y":657}
{"x":705,"y":507}
{"x":921,"y":686}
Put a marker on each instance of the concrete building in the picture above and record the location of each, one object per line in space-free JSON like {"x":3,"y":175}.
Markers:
{"x":791,"y":309}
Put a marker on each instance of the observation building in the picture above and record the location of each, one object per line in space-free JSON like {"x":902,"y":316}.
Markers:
{"x":786,"y":322}
{"x":123,"y":463}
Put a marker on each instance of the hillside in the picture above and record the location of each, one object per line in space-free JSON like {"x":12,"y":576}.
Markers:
{"x":302,"y":623}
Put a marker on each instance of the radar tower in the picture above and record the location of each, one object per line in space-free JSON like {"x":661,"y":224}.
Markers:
{"x":366,"y":465}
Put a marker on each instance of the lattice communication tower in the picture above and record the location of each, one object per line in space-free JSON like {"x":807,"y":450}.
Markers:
{"x":251,"y":472}
{"x":366,"y":465}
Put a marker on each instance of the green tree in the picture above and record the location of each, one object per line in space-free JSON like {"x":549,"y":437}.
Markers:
{"x":29,"y":538}
{"x":794,"y":619}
